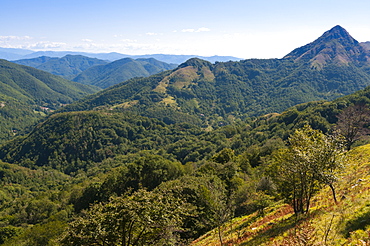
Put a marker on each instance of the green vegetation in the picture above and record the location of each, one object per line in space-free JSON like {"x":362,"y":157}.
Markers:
{"x":67,"y":67}
{"x":121,"y":70}
{"x":28,"y":94}
{"x":310,"y":161}
{"x":211,"y":95}
{"x":328,"y":223}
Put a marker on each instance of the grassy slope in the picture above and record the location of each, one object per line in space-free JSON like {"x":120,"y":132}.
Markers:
{"x":347,"y":223}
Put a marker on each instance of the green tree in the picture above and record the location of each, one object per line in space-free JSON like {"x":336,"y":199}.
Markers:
{"x":143,"y":218}
{"x":311,"y":160}
{"x":8,"y":232}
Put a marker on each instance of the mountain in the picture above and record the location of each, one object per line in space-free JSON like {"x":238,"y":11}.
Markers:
{"x":178,"y":59}
{"x":200,"y":92}
{"x":68,"y":66}
{"x":25,"y":93}
{"x":121,"y":70}
{"x":17,"y":54}
{"x":13,"y":54}
{"x":335,"y":46}
{"x":92,"y":71}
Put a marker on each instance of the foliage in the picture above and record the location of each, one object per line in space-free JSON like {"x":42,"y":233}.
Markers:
{"x":8,"y":232}
{"x":144,"y":218}
{"x":311,"y":159}
{"x":147,"y":171}
{"x":344,"y":223}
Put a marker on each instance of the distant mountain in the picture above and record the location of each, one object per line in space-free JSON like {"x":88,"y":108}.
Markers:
{"x":335,"y":46}
{"x":17,"y":54}
{"x":121,"y":70}
{"x":199,"y":91}
{"x":13,"y":54}
{"x":68,"y":66}
{"x":26,"y":92}
{"x":178,"y":59}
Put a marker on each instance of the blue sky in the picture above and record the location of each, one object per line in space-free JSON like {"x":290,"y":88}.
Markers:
{"x":245,"y":29}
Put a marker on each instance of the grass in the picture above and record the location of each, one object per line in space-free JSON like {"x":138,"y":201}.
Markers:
{"x":345,"y":223}
{"x":183,"y":78}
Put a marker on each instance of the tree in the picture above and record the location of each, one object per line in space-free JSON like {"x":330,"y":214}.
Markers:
{"x":143,"y":218}
{"x":311,"y":160}
{"x":211,"y":200}
{"x":351,"y":122}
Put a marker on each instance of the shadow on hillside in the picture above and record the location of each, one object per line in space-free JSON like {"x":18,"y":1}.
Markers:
{"x":358,"y":223}
{"x":272,"y":231}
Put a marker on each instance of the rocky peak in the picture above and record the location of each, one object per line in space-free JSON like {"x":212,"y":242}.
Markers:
{"x":334,"y":46}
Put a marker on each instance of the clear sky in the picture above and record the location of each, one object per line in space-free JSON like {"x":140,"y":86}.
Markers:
{"x":241,"y":28}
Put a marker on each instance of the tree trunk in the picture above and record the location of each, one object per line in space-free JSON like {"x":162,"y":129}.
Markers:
{"x":219,"y":235}
{"x":333,"y":191}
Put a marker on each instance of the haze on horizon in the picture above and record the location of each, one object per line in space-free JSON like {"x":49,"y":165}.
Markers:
{"x":244,"y":29}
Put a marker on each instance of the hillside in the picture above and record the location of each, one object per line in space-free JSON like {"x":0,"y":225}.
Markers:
{"x":121,"y":70}
{"x":107,"y":153}
{"x":26,"y":92}
{"x":70,"y":142}
{"x":345,"y":223}
{"x":217,"y":93}
{"x":92,"y":71}
{"x":68,"y":66}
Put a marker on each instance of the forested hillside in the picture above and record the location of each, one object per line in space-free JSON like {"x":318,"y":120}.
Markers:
{"x":121,"y":70}
{"x":26,"y":93}
{"x":92,"y":71}
{"x":68,"y":66}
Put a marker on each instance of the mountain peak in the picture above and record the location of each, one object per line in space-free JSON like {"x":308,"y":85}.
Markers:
{"x":339,"y":33}
{"x":334,"y":46}
{"x":195,"y":62}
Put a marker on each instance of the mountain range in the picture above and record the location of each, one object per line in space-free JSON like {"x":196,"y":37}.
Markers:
{"x":18,"y":54}
{"x":68,"y":66}
{"x":121,"y":70}
{"x":332,"y":66}
{"x":97,"y":72}
{"x":197,"y":91}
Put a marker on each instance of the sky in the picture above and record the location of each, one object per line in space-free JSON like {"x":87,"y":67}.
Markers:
{"x":241,"y":28}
